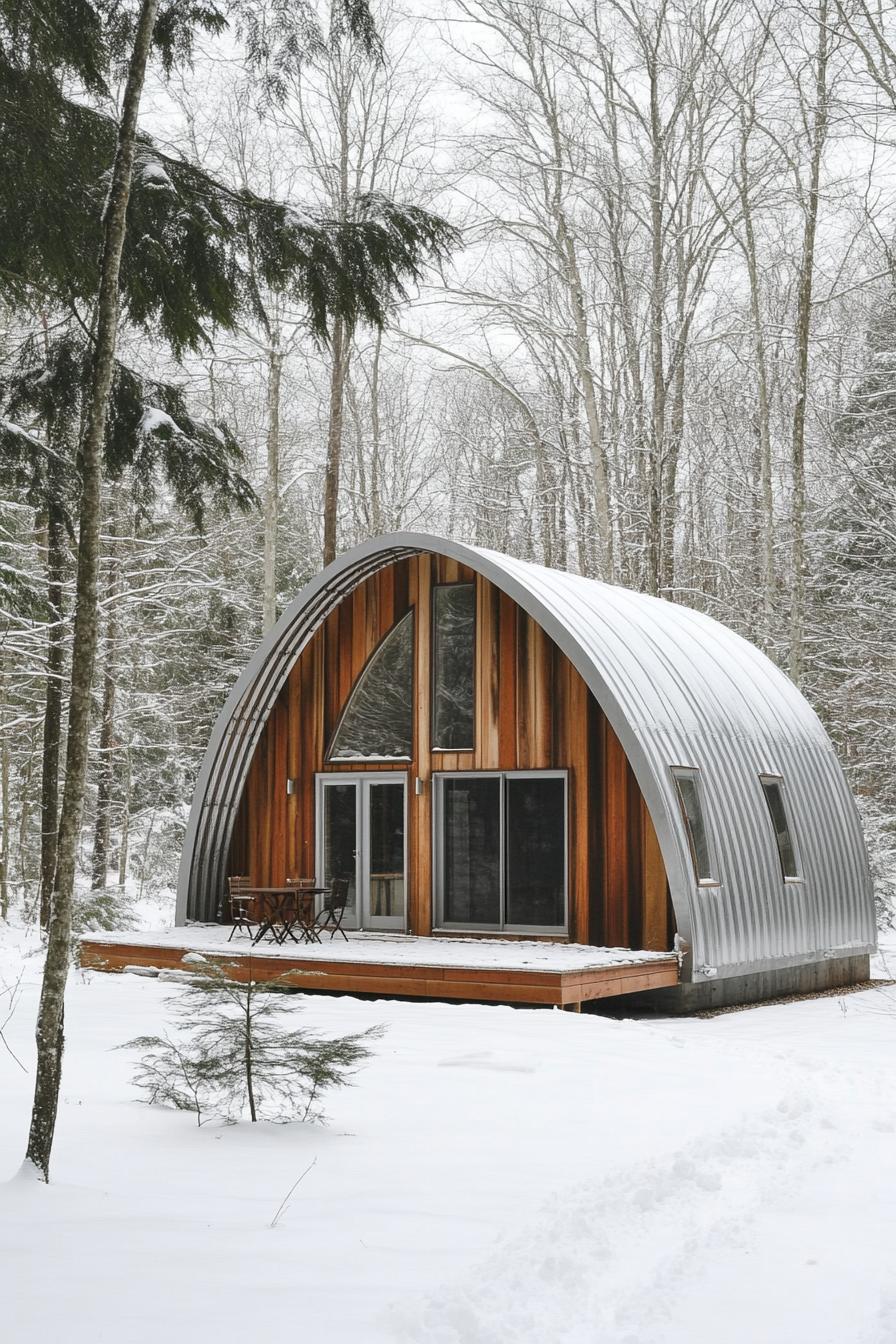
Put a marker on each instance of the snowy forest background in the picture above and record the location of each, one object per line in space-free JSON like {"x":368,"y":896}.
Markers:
{"x":662,"y":353}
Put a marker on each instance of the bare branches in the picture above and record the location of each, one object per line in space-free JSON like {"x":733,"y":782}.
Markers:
{"x":12,"y":993}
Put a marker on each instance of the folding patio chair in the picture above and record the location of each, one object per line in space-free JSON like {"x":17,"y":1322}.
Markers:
{"x":332,"y":910}
{"x":300,"y":915}
{"x":240,"y":905}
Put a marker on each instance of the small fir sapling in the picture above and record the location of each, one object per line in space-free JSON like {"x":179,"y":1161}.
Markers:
{"x":233,"y":1049}
{"x":102,"y":909}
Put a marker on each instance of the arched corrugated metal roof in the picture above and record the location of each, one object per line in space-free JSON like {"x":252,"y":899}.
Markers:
{"x":679,"y":689}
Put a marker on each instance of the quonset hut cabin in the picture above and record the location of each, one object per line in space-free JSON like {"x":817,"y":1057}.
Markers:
{"x":486,"y":748}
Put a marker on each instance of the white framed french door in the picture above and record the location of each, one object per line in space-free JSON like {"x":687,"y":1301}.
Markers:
{"x":362,"y":836}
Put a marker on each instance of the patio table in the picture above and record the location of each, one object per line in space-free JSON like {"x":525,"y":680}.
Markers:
{"x":283,"y":910}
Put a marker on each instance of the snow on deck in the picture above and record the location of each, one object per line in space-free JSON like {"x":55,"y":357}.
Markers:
{"x":492,"y":954}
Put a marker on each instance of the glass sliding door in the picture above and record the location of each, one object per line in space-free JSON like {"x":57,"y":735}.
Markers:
{"x":361,"y":836}
{"x":471,"y":850}
{"x":500,"y":851}
{"x":535,"y":846}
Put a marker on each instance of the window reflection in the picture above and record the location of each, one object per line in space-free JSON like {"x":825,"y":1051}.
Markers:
{"x":774,"y":796}
{"x":694,"y":823}
{"x":502,"y":850}
{"x":386,"y":848}
{"x":378,"y":722}
{"x":341,"y":836}
{"x":472,"y":850}
{"x":453,"y":649}
{"x":536,"y":851}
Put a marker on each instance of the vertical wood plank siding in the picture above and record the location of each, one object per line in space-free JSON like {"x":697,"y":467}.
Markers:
{"x":533,"y":712}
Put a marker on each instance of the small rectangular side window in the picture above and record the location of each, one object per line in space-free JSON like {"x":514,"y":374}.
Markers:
{"x":774,"y":797}
{"x":688,"y":786}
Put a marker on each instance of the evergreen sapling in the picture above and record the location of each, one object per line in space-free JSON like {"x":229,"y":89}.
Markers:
{"x":233,"y":1049}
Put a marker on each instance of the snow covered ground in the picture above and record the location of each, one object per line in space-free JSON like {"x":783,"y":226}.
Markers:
{"x":495,"y":1175}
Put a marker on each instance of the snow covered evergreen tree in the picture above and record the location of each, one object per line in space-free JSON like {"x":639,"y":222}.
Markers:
{"x":235,"y":1050}
{"x":71,"y":245}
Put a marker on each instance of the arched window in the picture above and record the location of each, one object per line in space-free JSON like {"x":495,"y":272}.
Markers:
{"x":378,"y":720}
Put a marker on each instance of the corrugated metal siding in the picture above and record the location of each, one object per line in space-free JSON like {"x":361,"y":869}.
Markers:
{"x":678,"y":689}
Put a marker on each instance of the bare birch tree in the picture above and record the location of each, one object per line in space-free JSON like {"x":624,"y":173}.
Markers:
{"x":50,"y":1038}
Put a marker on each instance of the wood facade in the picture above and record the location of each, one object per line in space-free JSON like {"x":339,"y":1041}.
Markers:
{"x":336,"y":973}
{"x":533,"y":711}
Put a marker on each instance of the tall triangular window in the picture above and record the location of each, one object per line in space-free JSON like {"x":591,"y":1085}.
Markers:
{"x":378,"y":720}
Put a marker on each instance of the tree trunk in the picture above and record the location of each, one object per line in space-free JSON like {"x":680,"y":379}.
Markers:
{"x":5,"y":814}
{"x":636,"y":408}
{"x":50,"y":1020}
{"x":561,"y":523}
{"x":657,"y":352}
{"x":125,"y":822}
{"x":592,"y":417}
{"x":145,"y":861}
{"x":247,"y":1054}
{"x":23,"y":849}
{"x":572,"y":279}
{"x":52,"y":732}
{"x":674,"y":438}
{"x":763,"y":402}
{"x":544,"y":502}
{"x":585,"y":374}
{"x":338,"y":371}
{"x":272,"y":485}
{"x":803,"y":333}
{"x":102,"y":824}
{"x":340,"y":352}
{"x":376,"y":508}
{"x":586,"y":549}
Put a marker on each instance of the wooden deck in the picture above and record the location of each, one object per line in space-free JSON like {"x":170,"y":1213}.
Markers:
{"x":478,"y":970}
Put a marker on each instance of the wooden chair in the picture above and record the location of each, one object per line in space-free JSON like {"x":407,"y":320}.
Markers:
{"x":240,"y":906}
{"x":302,"y":916}
{"x":332,"y":911}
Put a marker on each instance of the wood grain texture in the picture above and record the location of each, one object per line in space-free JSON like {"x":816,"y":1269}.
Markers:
{"x":420,"y":806}
{"x":655,"y":934}
{"x":532,"y":711}
{"x":405,"y":980}
{"x":616,"y":849}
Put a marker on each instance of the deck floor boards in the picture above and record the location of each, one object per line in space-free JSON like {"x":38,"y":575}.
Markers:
{"x":473,"y":969}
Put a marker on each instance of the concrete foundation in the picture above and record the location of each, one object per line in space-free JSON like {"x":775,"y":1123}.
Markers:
{"x":754,"y":988}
